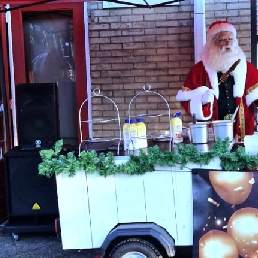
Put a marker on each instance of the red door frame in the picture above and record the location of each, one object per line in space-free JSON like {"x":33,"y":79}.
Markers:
{"x":79,"y":42}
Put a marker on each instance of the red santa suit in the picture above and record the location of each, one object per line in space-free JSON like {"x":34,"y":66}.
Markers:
{"x":245,"y":91}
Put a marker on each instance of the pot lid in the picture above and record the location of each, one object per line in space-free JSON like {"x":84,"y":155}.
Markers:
{"x":222,"y":122}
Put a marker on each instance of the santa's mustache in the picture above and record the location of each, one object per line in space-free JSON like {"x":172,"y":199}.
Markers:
{"x":225,"y":49}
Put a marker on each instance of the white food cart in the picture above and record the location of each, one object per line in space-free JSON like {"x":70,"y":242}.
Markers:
{"x":127,"y":216}
{"x":139,"y":213}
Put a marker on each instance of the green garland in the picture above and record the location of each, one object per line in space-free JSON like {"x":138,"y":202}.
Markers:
{"x":55,"y":163}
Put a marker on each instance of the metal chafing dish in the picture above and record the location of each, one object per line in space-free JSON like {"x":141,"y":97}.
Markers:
{"x":97,"y":144}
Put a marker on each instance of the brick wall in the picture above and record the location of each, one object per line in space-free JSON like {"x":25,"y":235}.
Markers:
{"x":133,"y":46}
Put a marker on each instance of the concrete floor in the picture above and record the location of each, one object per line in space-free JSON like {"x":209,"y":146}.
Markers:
{"x":37,"y":245}
{"x":48,"y":245}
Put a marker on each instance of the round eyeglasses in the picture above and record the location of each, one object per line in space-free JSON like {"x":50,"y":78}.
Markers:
{"x":224,"y":40}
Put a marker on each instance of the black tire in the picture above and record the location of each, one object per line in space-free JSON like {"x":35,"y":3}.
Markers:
{"x":137,"y":247}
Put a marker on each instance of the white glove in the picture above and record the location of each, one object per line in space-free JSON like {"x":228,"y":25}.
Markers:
{"x":208,"y":96}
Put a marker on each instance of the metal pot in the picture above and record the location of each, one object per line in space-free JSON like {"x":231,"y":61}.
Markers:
{"x":223,"y":129}
{"x":199,"y":132}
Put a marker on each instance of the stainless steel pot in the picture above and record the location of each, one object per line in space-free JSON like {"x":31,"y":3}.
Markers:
{"x":223,"y":129}
{"x":199,"y":132}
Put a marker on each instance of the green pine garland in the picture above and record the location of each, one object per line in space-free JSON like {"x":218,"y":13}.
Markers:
{"x":55,"y":163}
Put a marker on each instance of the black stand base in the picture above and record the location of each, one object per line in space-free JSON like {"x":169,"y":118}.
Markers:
{"x":19,"y":225}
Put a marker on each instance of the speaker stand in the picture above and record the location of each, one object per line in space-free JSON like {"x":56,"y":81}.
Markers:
{"x":35,"y":224}
{"x":31,"y":199}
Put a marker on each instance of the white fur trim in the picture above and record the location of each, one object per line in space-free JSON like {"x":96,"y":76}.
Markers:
{"x":213,"y":76}
{"x":251,"y":97}
{"x":196,"y":108}
{"x":239,"y":75}
{"x":188,"y":95}
{"x":219,"y":26}
{"x":195,"y":97}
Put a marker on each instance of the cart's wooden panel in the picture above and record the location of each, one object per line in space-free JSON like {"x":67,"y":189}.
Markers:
{"x":74,"y":211}
{"x":160,"y":203}
{"x":130,"y":198}
{"x":102,"y":207}
{"x":92,"y":205}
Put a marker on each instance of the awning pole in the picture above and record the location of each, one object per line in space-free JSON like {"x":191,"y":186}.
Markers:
{"x":199,"y":28}
{"x":13,"y":106}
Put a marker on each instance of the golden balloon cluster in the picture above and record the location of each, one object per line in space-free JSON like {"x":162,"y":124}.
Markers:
{"x":241,"y":237}
{"x":232,"y":186}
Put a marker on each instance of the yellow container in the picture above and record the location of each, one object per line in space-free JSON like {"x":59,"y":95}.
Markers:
{"x":132,"y":135}
{"x":177,"y":127}
{"x":141,"y":141}
{"x":126,"y":134}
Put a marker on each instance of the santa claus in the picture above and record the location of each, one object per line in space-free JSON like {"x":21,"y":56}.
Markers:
{"x":211,"y":95}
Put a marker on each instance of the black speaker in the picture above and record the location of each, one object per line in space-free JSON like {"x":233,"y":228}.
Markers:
{"x":37,"y":115}
{"x":28,"y":193}
{"x":67,"y":113}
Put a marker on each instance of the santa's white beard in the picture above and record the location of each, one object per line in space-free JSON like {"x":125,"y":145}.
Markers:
{"x":222,"y":60}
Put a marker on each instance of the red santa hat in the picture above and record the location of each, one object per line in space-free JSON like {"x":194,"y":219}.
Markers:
{"x":219,"y":26}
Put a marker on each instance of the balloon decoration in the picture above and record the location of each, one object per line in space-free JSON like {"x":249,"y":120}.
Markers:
{"x":252,"y":254}
{"x":243,"y":228}
{"x":233,"y":187}
{"x":217,"y":244}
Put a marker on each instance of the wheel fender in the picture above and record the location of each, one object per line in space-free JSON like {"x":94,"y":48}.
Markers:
{"x":128,"y":230}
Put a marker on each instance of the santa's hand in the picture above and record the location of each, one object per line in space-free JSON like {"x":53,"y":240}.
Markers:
{"x":208,"y":96}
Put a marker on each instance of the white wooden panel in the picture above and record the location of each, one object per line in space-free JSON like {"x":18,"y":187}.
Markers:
{"x":160,"y":206}
{"x":90,"y":206}
{"x":184,"y":207}
{"x":74,"y":211}
{"x":119,"y":160}
{"x":214,"y":164}
{"x":102,"y":205}
{"x":130,"y":198}
{"x":160,"y":168}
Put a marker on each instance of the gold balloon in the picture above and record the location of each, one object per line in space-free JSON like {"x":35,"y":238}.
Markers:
{"x":252,"y":254}
{"x":232,"y":186}
{"x":217,"y":244}
{"x":243,"y":227}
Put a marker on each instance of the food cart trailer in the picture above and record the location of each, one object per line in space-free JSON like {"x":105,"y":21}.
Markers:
{"x":147,"y":215}
{"x":137,"y":215}
{"x":151,"y":214}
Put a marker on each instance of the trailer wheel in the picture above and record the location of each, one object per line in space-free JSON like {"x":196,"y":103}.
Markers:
{"x":135,"y":248}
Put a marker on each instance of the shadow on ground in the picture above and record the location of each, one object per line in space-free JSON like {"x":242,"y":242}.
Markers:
{"x":48,"y":245}
{"x":38,"y":245}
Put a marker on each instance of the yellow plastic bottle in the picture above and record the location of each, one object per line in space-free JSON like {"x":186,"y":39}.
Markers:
{"x":126,"y":134}
{"x":176,"y":126}
{"x":132,"y":134}
{"x":141,"y":141}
